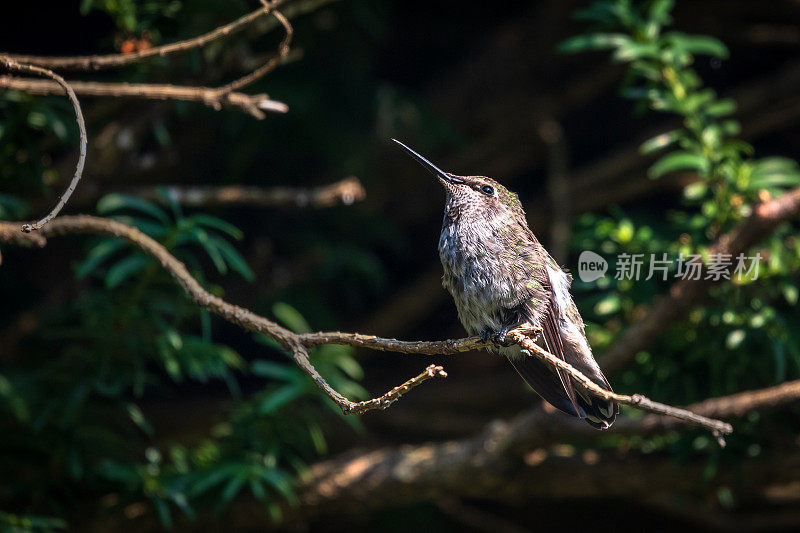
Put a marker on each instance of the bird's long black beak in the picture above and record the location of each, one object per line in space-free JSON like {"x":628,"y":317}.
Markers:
{"x":433,"y":169}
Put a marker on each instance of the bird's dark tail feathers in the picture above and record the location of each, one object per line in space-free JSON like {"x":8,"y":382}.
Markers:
{"x":598,"y":412}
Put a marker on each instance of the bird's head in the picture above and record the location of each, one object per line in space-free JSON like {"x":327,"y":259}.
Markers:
{"x":472,"y":195}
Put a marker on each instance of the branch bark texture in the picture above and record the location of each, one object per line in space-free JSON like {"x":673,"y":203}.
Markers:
{"x":299,"y":345}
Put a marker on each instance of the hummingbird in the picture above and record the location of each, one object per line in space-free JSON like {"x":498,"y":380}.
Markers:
{"x":500,"y":277}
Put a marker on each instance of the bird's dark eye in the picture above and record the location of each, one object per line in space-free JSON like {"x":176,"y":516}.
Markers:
{"x":488,"y":190}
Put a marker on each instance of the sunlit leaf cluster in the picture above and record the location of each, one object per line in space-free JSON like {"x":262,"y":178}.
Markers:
{"x":743,"y":337}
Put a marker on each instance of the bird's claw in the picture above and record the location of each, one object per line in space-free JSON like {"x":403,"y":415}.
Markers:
{"x":498,"y":338}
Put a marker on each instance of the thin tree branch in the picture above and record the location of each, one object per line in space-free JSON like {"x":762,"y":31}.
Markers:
{"x":300,"y":353}
{"x":346,"y":191}
{"x":382,"y":402}
{"x":215,"y":98}
{"x":225,"y":96}
{"x":737,"y":405}
{"x":480,"y":465}
{"x":240,"y":316}
{"x":271,"y":64}
{"x":61,"y":84}
{"x":524,"y":336}
{"x":299,"y":344}
{"x":97,"y":62}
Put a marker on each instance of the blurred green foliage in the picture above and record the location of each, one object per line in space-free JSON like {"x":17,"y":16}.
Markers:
{"x":744,"y":338}
{"x":74,"y":413}
{"x":74,"y":406}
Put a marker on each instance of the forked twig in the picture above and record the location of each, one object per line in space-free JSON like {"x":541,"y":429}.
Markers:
{"x":299,"y":344}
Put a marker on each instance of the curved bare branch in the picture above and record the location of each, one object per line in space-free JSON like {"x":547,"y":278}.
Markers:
{"x":31,"y":69}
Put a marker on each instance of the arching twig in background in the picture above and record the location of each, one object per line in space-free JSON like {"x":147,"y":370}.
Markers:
{"x":31,"y":69}
{"x":269,"y":66}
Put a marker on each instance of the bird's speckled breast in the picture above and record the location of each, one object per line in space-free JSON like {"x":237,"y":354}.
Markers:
{"x":470,"y":251}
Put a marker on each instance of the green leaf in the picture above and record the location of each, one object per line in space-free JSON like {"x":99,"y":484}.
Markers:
{"x":124,"y":269}
{"x":29,"y":523}
{"x":211,"y":249}
{"x":317,"y":438}
{"x":281,"y":397}
{"x":632,"y":51}
{"x":291,"y":317}
{"x":679,"y":160}
{"x":172,"y":202}
{"x":183,"y":503}
{"x":258,"y":490}
{"x":98,"y":254}
{"x":232,"y":489}
{"x":721,"y":108}
{"x":213,"y":478}
{"x":774,"y":165}
{"x":137,"y":417}
{"x":774,"y":180}
{"x":281,"y":482}
{"x":594,"y":41}
{"x":730,"y":127}
{"x":153,"y":229}
{"x":660,"y":141}
{"x":738,"y":146}
{"x":164,"y":516}
{"x":234,"y":259}
{"x":693,"y":102}
{"x":695,"y":191}
{"x":118,"y":472}
{"x":774,"y":172}
{"x":659,"y":11}
{"x":270,"y":369}
{"x":218,"y":224}
{"x":598,"y":12}
{"x":349,"y":365}
{"x":117,"y":201}
{"x":790,"y":292}
{"x":268,"y":341}
{"x":696,"y":44}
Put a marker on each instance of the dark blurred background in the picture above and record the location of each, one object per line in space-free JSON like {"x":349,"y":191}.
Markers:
{"x":480,"y":89}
